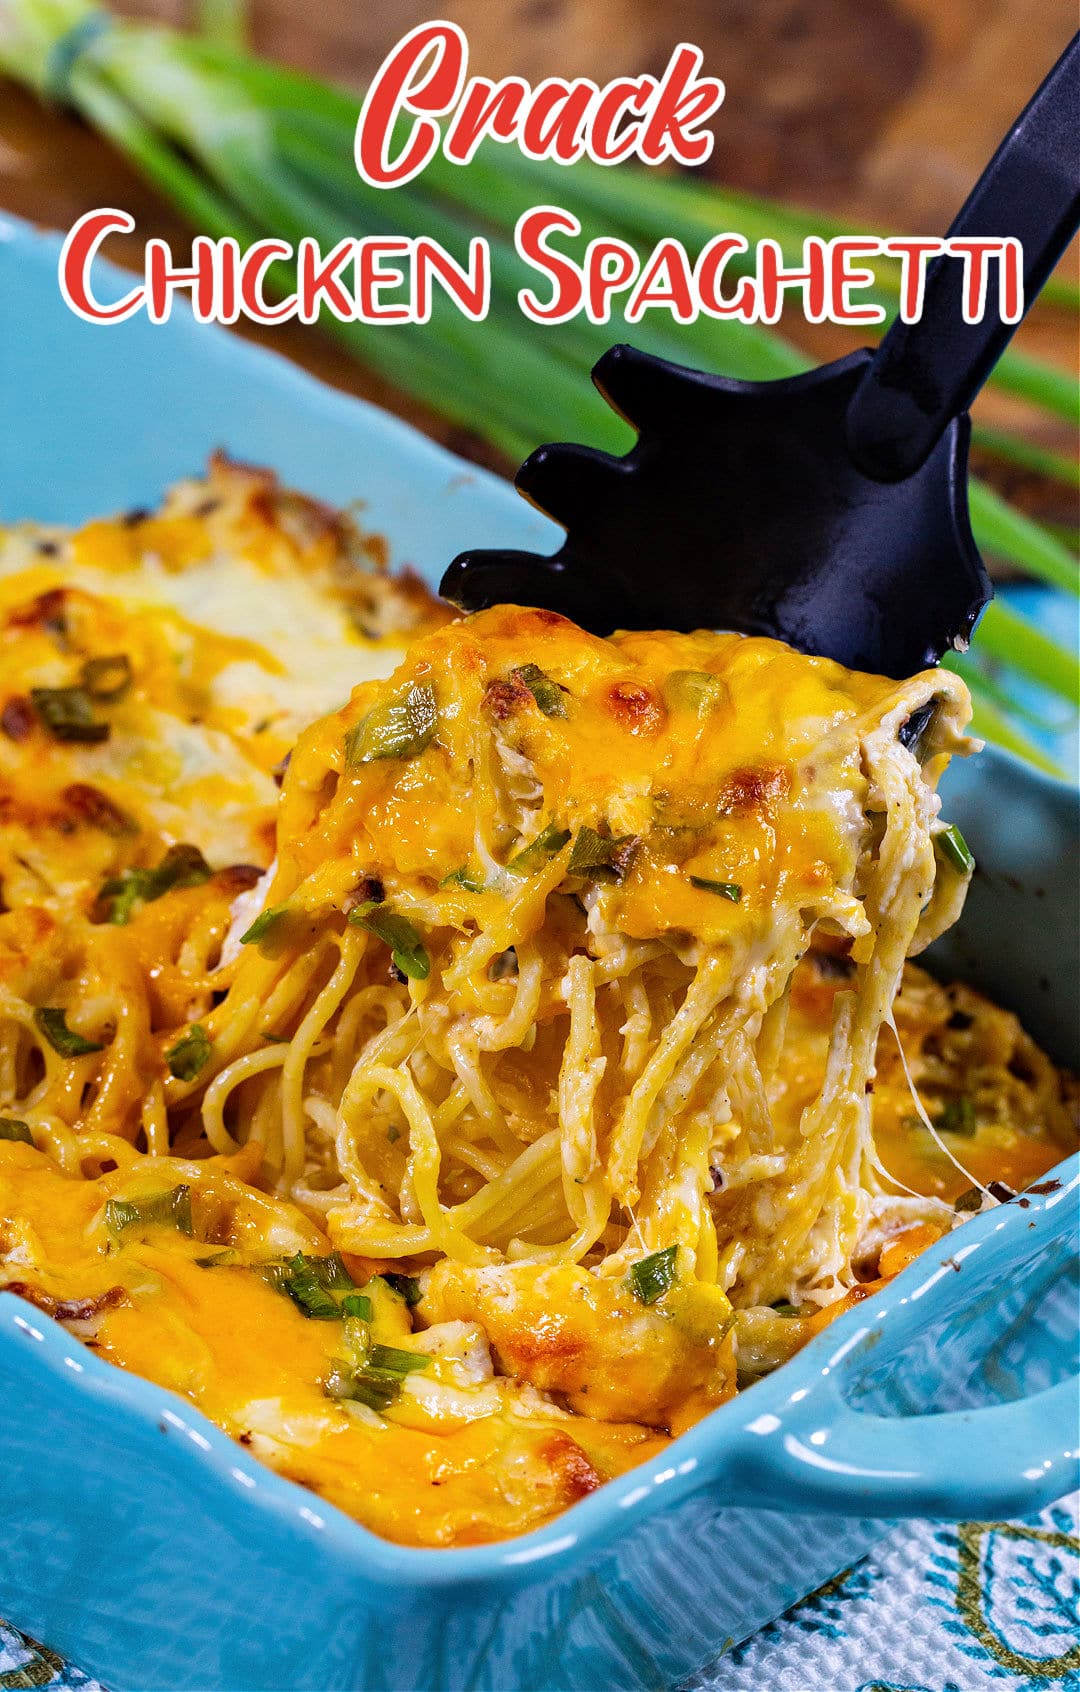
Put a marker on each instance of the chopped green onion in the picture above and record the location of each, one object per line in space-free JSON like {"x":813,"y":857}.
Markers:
{"x":971,"y":1199}
{"x":68,"y":714}
{"x":406,"y":947}
{"x":306,"y":1286}
{"x":275,"y":1274}
{"x":406,"y":1287}
{"x":356,"y":1305}
{"x":190,"y":1054}
{"x":462,"y":877}
{"x":548,"y":694}
{"x":329,"y":1271}
{"x":182,"y":866}
{"x":548,"y":844}
{"x":376,"y":1381}
{"x":395,"y":1362}
{"x":362,"y":1386}
{"x":309,"y":1281}
{"x":107,"y":678}
{"x":262,"y":925}
{"x":653,"y":1276}
{"x":784,"y":1308}
{"x":275,"y":1039}
{"x":394,"y":728}
{"x":123,"y":893}
{"x":693,"y":690}
{"x":51,"y":1021}
{"x":958,"y":1115}
{"x":600,"y":858}
{"x":12,"y":1129}
{"x":725,"y":889}
{"x":952,"y":846}
{"x":170,"y":1209}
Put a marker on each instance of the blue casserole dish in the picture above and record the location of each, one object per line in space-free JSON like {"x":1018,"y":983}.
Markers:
{"x":154,"y":1551}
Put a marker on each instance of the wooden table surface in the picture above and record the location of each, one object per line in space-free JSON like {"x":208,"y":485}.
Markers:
{"x":882,"y":110}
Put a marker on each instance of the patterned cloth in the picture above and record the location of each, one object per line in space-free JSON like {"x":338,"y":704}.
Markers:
{"x":992,"y":1605}
{"x":933,"y":1609}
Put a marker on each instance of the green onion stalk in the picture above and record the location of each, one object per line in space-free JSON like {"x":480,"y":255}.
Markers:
{"x":246,"y":148}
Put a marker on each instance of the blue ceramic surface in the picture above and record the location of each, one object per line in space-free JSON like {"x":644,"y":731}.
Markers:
{"x":145,"y":1544}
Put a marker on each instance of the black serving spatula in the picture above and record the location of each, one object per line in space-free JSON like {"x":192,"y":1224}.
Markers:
{"x":829,"y":509}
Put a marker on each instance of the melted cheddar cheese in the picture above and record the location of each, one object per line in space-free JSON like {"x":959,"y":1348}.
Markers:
{"x":468,"y":1453}
{"x":463,"y":1456}
{"x":459,"y":1125}
{"x":236,"y":614}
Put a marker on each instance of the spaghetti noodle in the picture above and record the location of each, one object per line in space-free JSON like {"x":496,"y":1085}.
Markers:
{"x":559,"y":1006}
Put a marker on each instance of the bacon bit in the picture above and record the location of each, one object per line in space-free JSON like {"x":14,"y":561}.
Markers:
{"x":897,"y":1253}
{"x":238,"y":878}
{"x":503,"y":698}
{"x":89,"y":805}
{"x":573,"y":1472}
{"x":82,"y":1309}
{"x":46,"y":611}
{"x":1044,"y":1187}
{"x":69,"y":1309}
{"x":636,"y":708}
{"x":751,"y":789}
{"x":369,"y":890}
{"x":17,"y":719}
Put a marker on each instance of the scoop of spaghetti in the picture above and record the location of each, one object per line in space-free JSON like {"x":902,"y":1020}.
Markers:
{"x":516,"y":997}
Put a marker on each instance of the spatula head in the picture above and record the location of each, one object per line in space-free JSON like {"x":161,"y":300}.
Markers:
{"x":740,"y":507}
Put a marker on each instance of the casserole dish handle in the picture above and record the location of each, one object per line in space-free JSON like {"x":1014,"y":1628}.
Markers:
{"x":818,"y":1452}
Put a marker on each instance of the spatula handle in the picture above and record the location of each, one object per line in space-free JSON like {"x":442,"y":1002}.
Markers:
{"x":926,"y":373}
